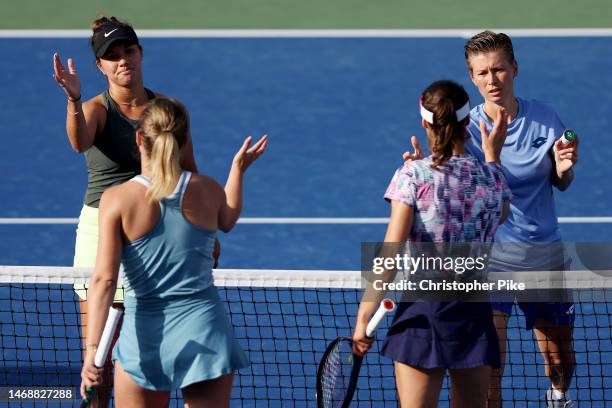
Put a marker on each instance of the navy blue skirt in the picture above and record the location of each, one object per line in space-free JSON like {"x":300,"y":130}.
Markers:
{"x":450,"y":335}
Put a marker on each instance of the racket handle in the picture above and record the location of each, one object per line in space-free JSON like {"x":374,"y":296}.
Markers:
{"x":107,"y":336}
{"x":386,"y":306}
{"x":87,"y":401}
{"x":103,"y":347}
{"x":568,"y":137}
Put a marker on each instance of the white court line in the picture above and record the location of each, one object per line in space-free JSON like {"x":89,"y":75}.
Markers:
{"x":262,"y":33}
{"x":35,"y":221}
{"x":293,"y":220}
{"x":584,"y":220}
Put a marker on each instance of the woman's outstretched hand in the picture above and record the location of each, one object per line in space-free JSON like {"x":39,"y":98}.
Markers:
{"x":493,"y":142}
{"x":67,"y":79}
{"x":418,"y":153}
{"x":248,"y":154}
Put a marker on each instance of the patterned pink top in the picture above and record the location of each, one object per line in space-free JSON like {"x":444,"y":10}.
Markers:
{"x":460,"y":201}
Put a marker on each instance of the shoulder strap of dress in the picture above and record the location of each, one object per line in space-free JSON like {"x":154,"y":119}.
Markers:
{"x":107,"y":100}
{"x":178,"y":192}
{"x":177,"y":195}
{"x":142,"y":180}
{"x":185,"y":177}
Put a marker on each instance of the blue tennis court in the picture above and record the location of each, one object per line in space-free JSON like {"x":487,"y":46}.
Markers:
{"x":339,"y":112}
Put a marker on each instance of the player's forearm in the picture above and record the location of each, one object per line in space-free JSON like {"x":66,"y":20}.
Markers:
{"x":367,"y":307}
{"x":76,"y":127}
{"x":99,"y":299}
{"x":233,"y":192}
{"x":375,"y":290}
{"x":400,"y":224}
{"x":492,"y":156}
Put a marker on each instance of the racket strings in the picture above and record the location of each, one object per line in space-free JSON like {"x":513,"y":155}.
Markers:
{"x":337,"y":374}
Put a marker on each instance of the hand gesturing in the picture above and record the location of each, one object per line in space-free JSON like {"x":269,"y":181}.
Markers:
{"x":67,"y":79}
{"x":246,"y":156}
{"x":493,"y":142}
{"x":418,"y":153}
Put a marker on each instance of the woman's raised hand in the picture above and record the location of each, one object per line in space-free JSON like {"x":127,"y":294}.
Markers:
{"x":418,"y":153}
{"x":248,"y":154}
{"x":493,"y":142}
{"x":67,"y":79}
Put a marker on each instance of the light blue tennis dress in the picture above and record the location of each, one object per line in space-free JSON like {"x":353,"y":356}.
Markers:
{"x":175,"y":330}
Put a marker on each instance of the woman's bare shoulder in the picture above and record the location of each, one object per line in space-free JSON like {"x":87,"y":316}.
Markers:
{"x":206,"y":187}
{"x":202,"y":181}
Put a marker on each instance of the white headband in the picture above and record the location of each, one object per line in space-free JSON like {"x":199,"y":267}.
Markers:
{"x":460,"y":113}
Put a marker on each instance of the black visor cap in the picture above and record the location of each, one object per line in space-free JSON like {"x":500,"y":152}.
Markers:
{"x":110,"y":33}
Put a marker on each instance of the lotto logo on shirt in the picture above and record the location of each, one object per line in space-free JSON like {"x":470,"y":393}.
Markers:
{"x":538,"y":142}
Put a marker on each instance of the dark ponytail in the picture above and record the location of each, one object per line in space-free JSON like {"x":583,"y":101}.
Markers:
{"x":444,"y":99}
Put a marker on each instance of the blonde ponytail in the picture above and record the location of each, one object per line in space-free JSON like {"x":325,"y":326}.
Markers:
{"x":165,"y":168}
{"x":164,"y":127}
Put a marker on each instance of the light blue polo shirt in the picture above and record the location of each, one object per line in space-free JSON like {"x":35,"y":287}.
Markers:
{"x":527,"y":166}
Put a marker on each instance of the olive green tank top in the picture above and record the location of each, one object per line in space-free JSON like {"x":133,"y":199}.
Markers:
{"x":113,"y":158}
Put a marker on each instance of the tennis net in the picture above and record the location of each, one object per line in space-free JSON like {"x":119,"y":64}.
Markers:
{"x":284,"y":320}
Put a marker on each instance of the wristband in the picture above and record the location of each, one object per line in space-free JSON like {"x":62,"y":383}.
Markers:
{"x":91,"y":346}
{"x":74,"y":99}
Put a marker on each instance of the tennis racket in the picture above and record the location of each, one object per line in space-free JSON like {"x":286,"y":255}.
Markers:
{"x":104,"y":346}
{"x":339,"y":368}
